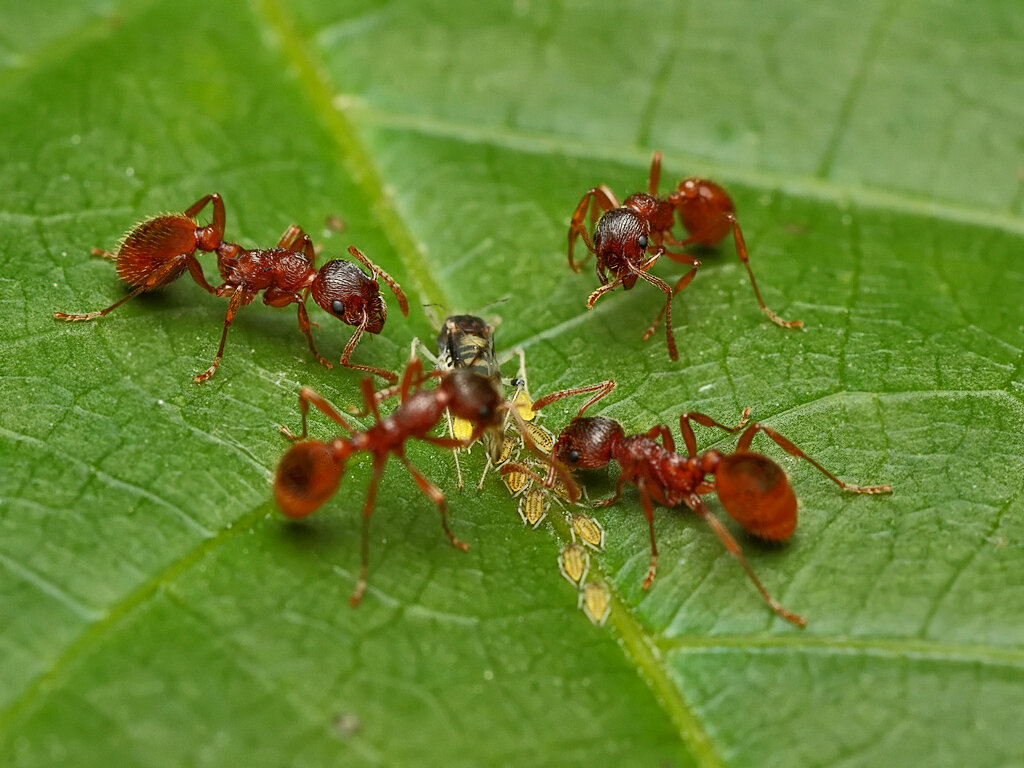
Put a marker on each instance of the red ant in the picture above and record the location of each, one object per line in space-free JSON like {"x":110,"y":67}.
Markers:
{"x":310,"y":472}
{"x":159,"y":250}
{"x":752,"y":488}
{"x":624,"y":233}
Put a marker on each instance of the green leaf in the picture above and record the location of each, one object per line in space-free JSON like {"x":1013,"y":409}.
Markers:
{"x":158,"y":611}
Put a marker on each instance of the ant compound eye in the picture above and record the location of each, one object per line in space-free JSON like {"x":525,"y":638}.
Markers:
{"x":573,"y":456}
{"x":484,"y":411}
{"x":642,"y":241}
{"x":337,"y":307}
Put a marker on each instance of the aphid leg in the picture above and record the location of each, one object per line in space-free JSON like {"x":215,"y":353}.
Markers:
{"x":235,"y":302}
{"x":694,"y":502}
{"x":437,"y":497}
{"x":308,"y":395}
{"x":790,"y":448}
{"x":707,"y":421}
{"x":304,"y":326}
{"x":403,"y":303}
{"x":418,"y":346}
{"x":386,"y":375}
{"x":602,"y":388}
{"x":104,"y":254}
{"x":741,"y":251}
{"x":379,"y":461}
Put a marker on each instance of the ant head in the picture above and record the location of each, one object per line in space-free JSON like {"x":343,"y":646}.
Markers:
{"x":473,"y":397}
{"x":342,"y":289}
{"x":307,"y":476}
{"x":587,"y":442}
{"x":622,"y":232}
{"x":755,"y":492}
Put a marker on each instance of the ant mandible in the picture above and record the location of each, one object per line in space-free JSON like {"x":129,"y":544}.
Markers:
{"x":752,"y":488}
{"x":310,"y":472}
{"x":159,"y":250}
{"x":624,"y":234}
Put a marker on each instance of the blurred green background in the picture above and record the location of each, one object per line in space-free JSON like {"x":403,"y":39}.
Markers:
{"x":155,"y":610}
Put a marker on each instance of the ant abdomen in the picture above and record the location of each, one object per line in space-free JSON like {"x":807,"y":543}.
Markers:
{"x":342,"y":289}
{"x":307,"y":476}
{"x":154,"y":243}
{"x":755,"y":492}
{"x":704,"y":210}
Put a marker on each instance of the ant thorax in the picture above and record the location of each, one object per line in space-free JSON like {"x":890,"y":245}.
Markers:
{"x":672,"y":474}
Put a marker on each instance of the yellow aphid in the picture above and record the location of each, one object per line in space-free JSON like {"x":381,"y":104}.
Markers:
{"x":588,"y":529}
{"x":508,"y":445}
{"x":462,"y":429}
{"x":595,"y":602}
{"x":562,"y":490}
{"x":541,"y":437}
{"x":524,"y":405}
{"x":533,"y":507}
{"x":574,"y":562}
{"x":516,"y":481}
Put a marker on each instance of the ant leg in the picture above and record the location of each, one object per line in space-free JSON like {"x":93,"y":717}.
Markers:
{"x":197,"y":274}
{"x":308,"y":395}
{"x":791,"y":449}
{"x":209,"y":237}
{"x":152,"y":279}
{"x":602,"y":389}
{"x":670,"y":338}
{"x":694,"y":502}
{"x":304,"y":327}
{"x":619,"y":485}
{"x":741,"y":251}
{"x":680,"y":285}
{"x":403,"y":303}
{"x":93,"y":315}
{"x":291,"y":236}
{"x":654,"y":175}
{"x":592,"y":298}
{"x":237,"y":300}
{"x":386,"y":375}
{"x":379,"y":460}
{"x":663,"y":432}
{"x":595,"y":196}
{"x":435,"y":495}
{"x":648,"y":506}
{"x":707,"y":421}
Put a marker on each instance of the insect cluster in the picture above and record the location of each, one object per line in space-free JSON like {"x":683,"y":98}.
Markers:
{"x":467,"y":391}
